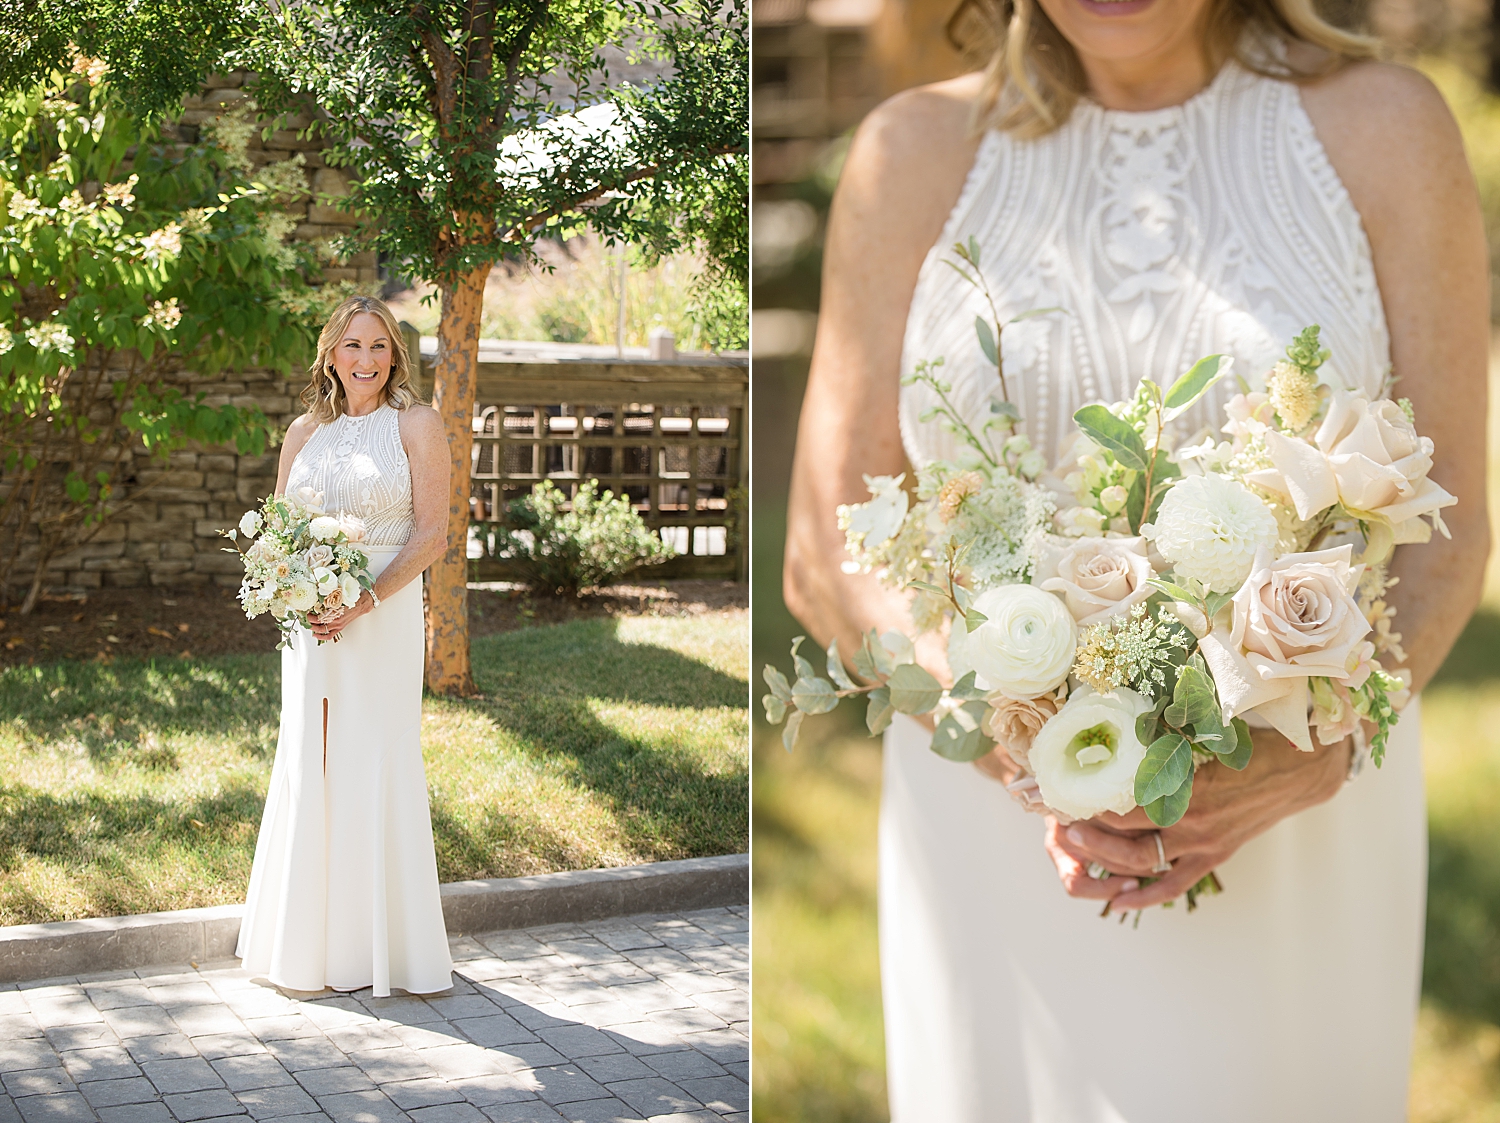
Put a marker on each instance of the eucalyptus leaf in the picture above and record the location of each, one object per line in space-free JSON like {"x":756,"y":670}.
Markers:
{"x":836,"y":669}
{"x":789,"y":731}
{"x":1168,"y":762}
{"x":964,"y":689}
{"x":803,"y":667}
{"x":1240,"y":755}
{"x":1195,"y":383}
{"x":1030,"y":312}
{"x":986,"y":336}
{"x":973,"y":248}
{"x":879,"y":712}
{"x":1167,"y":810}
{"x":775,"y":708}
{"x":777,"y":682}
{"x":1006,"y":409}
{"x":958,"y":737}
{"x":1173,"y":590}
{"x":814,"y":695}
{"x":1108,"y":431}
{"x":1175,"y":715}
{"x":1148,"y":727}
{"x":962,"y":597}
{"x":928,"y":587}
{"x":873,"y":654}
{"x":973,"y":619}
{"x":913,"y":690}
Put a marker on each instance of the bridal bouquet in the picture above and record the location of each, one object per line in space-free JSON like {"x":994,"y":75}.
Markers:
{"x":301,"y":561}
{"x":1112,"y":624}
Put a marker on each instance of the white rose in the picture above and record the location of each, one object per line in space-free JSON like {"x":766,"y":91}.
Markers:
{"x":1367,"y":456}
{"x":1101,"y":577}
{"x":350,"y":588}
{"x":1209,"y":528}
{"x":320,"y":555}
{"x":325,"y":528}
{"x":1023,"y":649}
{"x":1085,"y":758}
{"x":309,"y":499}
{"x":250,"y":524}
{"x":1294,"y":618}
{"x":302,"y":596}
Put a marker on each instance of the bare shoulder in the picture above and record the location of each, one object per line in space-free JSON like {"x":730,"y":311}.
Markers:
{"x":1391,"y":137}
{"x":910,"y":155}
{"x":298,"y":432}
{"x":421,"y":424}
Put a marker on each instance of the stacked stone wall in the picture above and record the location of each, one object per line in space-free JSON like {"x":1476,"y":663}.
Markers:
{"x":168,"y":530}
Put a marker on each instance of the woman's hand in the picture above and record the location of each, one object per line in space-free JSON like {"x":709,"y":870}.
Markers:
{"x":1228,"y":809}
{"x":327,"y":626}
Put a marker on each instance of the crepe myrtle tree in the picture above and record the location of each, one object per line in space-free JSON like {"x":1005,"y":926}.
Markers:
{"x":471,"y":129}
{"x":474,"y":128}
{"x":122,"y":262}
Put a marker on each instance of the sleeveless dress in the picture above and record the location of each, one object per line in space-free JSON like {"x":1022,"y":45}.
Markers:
{"x":1215,"y":226}
{"x":344,"y":889}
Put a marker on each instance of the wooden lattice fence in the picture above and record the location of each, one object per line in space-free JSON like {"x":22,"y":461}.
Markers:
{"x":670,"y":434}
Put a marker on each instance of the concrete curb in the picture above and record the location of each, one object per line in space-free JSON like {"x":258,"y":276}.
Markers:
{"x":76,"y":947}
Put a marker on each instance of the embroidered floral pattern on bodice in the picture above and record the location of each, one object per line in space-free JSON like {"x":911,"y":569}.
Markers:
{"x":360,"y":467}
{"x":1216,"y":226}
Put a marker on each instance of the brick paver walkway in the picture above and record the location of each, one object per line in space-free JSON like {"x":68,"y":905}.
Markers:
{"x":640,"y":1018}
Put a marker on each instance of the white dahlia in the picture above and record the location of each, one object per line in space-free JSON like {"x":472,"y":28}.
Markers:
{"x":1209,"y":528}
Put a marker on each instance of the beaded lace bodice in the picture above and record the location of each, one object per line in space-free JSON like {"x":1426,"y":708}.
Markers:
{"x":1215,"y":226}
{"x":360,"y":467}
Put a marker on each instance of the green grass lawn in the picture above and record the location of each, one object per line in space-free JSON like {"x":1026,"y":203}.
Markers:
{"x":133,"y":787}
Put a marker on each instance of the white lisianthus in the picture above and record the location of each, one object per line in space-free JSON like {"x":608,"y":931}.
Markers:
{"x":350,"y":588}
{"x":1209,"y":528}
{"x":302,"y":596}
{"x":875,"y":523}
{"x":250,"y":524}
{"x":327,"y":580}
{"x":1085,"y":758}
{"x":1025,"y":646}
{"x":324,"y":528}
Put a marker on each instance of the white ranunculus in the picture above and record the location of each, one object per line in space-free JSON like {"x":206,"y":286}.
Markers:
{"x":1025,"y":646}
{"x":350,"y":588}
{"x":1209,"y":528}
{"x":1101,"y":577}
{"x":327,"y":580}
{"x":1085,"y":758}
{"x":879,"y":519}
{"x":302,"y":596}
{"x":1367,"y":456}
{"x":325,"y":528}
{"x":250,"y":524}
{"x":1295,"y":618}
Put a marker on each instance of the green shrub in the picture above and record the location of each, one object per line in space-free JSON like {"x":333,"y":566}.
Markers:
{"x":564,"y":548}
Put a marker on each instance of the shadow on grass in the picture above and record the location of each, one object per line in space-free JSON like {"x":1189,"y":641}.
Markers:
{"x":671,"y":798}
{"x":120,"y":710}
{"x":1461,"y":967}
{"x":117,"y":850}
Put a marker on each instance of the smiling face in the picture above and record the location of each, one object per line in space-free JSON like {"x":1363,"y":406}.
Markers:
{"x":362,"y":358}
{"x":1136,"y":52}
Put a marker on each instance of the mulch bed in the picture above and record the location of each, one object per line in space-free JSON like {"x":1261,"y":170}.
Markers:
{"x":192,"y":621}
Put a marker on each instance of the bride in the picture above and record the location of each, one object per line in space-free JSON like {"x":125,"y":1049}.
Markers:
{"x":344,"y":889}
{"x":1181,"y":177}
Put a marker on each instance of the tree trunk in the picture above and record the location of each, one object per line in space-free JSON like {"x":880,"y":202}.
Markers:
{"x":453,"y":396}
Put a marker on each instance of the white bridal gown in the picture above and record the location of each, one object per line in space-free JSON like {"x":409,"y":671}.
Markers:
{"x":344,"y":890}
{"x":1214,"y":226}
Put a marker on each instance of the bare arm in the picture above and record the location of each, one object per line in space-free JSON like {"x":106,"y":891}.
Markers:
{"x":427,"y":452}
{"x":297,"y":435}
{"x":1405,"y":169}
{"x":903,"y":173}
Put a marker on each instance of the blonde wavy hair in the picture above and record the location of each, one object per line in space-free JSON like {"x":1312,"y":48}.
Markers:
{"x":324,"y":394}
{"x":1034,"y":77}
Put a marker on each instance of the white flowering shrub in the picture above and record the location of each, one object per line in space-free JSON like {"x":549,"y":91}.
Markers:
{"x":125,"y":261}
{"x":565,"y":546}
